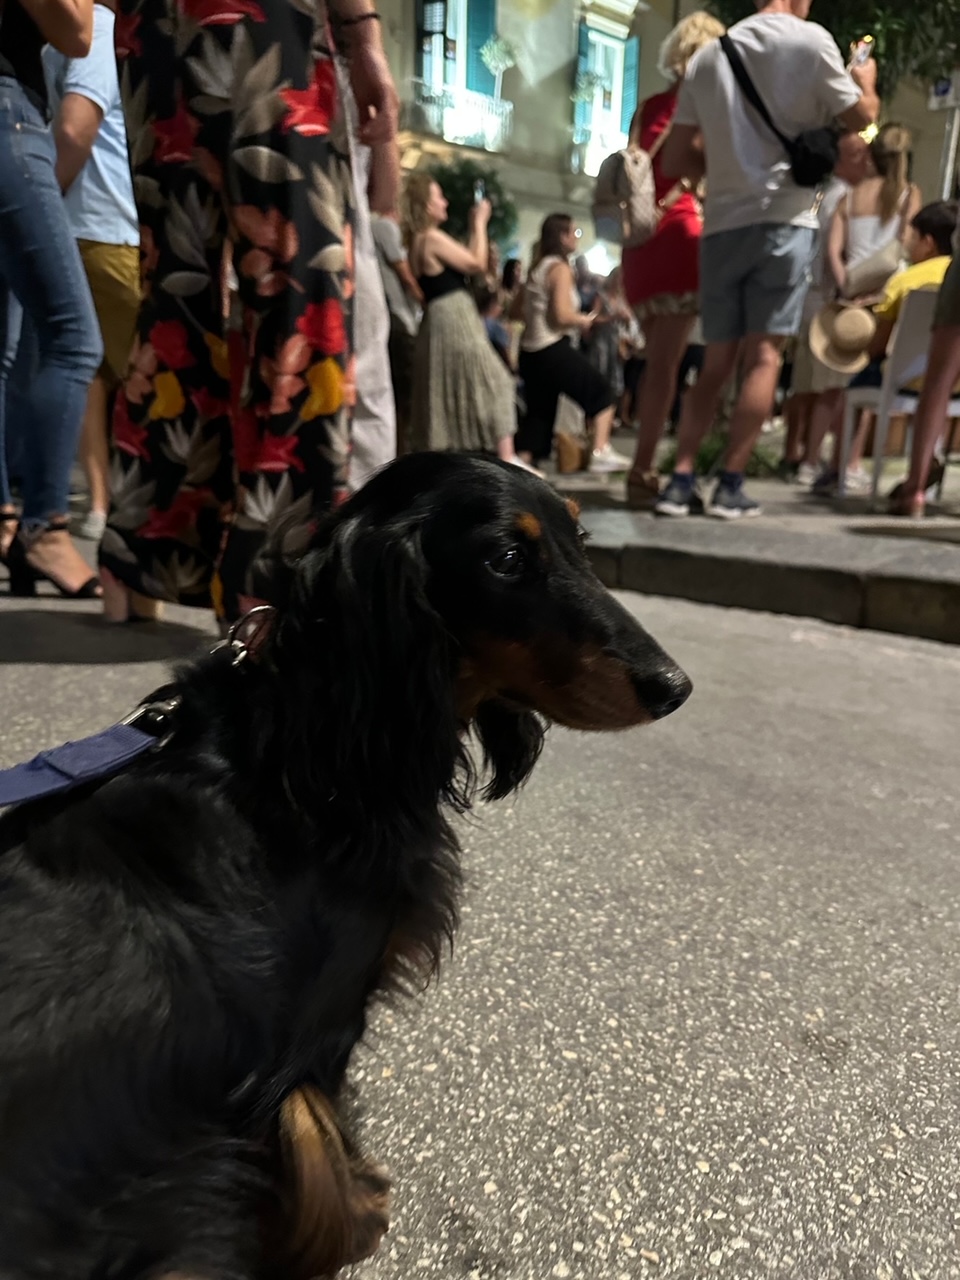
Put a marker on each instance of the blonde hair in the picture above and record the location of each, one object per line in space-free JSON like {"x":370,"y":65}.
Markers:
{"x":413,"y":213}
{"x":686,"y":39}
{"x":891,"y":154}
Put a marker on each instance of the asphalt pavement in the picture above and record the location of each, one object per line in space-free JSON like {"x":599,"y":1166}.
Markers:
{"x":702,"y":1015}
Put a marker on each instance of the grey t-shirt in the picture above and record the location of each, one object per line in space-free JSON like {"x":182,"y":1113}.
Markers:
{"x":390,"y":250}
{"x":799,"y":74}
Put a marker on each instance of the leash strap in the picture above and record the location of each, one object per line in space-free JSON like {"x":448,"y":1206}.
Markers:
{"x":150,"y":727}
{"x":100,"y":756}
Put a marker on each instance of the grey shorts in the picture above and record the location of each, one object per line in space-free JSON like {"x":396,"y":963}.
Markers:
{"x":948,"y":301}
{"x":754,"y":280}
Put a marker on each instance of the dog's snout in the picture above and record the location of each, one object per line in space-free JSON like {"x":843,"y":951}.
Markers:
{"x":664,"y":692}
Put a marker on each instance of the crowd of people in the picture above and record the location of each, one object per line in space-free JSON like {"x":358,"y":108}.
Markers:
{"x":247,"y":147}
{"x":192,"y":218}
{"x":464,"y":376}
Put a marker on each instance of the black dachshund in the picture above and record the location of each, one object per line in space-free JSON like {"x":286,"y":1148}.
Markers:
{"x":188,"y":949}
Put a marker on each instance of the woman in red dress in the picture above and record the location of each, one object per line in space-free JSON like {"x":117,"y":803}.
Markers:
{"x":661,"y":278}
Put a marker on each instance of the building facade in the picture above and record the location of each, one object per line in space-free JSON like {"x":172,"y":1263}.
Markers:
{"x":545,"y":123}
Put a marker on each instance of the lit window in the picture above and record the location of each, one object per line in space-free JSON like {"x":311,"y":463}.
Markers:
{"x":605,"y":94}
{"x":455,"y":90}
{"x":452,"y":33}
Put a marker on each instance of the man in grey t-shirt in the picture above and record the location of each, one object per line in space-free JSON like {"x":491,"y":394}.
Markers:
{"x":760,"y":227}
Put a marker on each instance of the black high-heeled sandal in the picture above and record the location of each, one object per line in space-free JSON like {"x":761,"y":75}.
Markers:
{"x":24,"y":577}
{"x":7,"y":517}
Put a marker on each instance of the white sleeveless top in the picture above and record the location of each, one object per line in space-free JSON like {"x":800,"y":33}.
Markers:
{"x":866,"y":234}
{"x":539,"y":334}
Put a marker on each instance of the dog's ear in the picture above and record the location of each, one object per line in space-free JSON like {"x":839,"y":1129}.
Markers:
{"x":371,"y":712}
{"x":511,"y":742}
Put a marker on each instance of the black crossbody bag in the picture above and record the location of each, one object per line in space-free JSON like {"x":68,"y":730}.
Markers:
{"x":813,"y":154}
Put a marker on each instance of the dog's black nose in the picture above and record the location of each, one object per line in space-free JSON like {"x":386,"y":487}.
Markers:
{"x":665,"y":692}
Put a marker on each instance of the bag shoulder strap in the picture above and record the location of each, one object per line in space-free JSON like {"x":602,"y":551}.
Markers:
{"x":750,"y":90}
{"x":655,"y":149}
{"x":657,"y":146}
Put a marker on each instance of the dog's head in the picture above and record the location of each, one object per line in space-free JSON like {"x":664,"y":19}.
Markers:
{"x":456,"y":590}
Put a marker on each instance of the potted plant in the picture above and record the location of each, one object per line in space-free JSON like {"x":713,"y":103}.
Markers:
{"x":498,"y":55}
{"x":586,"y":85}
{"x":458,"y":179}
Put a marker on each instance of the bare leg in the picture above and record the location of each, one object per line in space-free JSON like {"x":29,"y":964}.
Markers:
{"x":94,"y":450}
{"x":667,"y":339}
{"x":701,"y":400}
{"x":797,"y":413}
{"x":930,"y":420}
{"x":823,"y":418}
{"x":855,"y":455}
{"x":761,"y":370}
{"x":600,"y":428}
{"x":626,"y":412}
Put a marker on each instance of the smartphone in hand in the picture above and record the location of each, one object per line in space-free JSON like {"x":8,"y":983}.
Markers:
{"x":861,"y":52}
{"x":479,"y":192}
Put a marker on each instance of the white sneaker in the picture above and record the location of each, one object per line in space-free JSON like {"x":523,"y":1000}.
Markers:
{"x":607,"y":459}
{"x":807,"y":474}
{"x":92,"y":526}
{"x":857,"y":481}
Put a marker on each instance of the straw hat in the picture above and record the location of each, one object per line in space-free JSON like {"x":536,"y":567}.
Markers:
{"x":840,"y":337}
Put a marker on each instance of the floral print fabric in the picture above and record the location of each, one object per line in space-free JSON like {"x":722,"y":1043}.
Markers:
{"x":225,"y":452}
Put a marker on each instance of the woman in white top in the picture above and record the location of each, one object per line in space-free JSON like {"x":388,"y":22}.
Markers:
{"x":878,"y":210}
{"x":876,"y":214}
{"x":549,"y":364}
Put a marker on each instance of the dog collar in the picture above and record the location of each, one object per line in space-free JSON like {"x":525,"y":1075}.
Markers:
{"x":148,"y":728}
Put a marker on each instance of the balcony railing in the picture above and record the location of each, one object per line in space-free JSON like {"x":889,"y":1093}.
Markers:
{"x":460,"y":116}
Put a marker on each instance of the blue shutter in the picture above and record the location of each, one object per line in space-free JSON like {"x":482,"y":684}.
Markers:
{"x":631,"y":82}
{"x":581,"y":110}
{"x":431,"y":21}
{"x":481,"y":25}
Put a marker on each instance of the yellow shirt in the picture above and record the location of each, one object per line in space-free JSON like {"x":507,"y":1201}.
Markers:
{"x":923,"y":275}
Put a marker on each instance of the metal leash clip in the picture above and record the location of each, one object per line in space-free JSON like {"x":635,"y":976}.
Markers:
{"x":245,"y":632}
{"x":152,"y":718}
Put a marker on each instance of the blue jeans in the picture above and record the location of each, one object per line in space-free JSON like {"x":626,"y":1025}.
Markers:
{"x":41,"y":275}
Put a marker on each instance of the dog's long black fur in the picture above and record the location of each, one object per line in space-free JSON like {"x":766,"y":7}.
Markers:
{"x":188,"y":949}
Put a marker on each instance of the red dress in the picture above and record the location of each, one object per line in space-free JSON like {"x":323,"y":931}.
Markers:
{"x":667,"y":267}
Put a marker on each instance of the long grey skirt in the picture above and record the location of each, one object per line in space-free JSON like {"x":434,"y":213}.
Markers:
{"x":463,"y":395}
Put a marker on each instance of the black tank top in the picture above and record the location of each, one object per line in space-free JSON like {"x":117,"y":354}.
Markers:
{"x":20,"y":45}
{"x":438,"y":286}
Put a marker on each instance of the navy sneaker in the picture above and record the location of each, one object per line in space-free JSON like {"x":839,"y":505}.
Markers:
{"x":679,"y":500}
{"x":732,"y":504}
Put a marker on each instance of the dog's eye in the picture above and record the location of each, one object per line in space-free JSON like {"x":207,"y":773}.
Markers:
{"x":508,"y":564}
{"x":583,"y":535}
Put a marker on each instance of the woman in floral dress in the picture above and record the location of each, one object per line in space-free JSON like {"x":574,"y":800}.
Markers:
{"x":237,"y":136}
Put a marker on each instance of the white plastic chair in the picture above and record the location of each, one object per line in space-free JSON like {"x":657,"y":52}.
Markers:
{"x":909,"y":348}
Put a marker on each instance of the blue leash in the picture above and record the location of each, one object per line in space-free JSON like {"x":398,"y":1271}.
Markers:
{"x":150,"y":727}
{"x":62,"y":768}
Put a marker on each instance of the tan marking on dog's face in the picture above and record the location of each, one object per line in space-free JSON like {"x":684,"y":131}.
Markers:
{"x":528,"y":523}
{"x":582,"y":688}
{"x":573,"y":506}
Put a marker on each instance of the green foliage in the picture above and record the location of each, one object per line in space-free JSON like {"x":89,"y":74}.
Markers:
{"x":918,"y":39}
{"x":763,"y":461}
{"x":457,"y":180}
